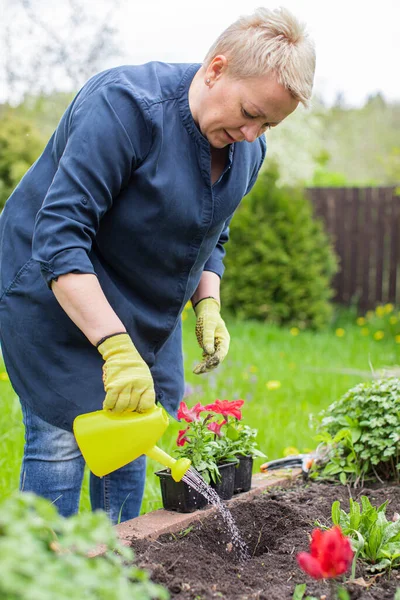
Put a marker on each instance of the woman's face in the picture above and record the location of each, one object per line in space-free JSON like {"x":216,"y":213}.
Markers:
{"x":233,"y":110}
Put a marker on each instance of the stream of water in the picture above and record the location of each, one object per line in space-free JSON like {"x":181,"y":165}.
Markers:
{"x":195,"y":480}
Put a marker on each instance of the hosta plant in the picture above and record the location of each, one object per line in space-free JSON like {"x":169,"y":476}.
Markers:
{"x":362,"y":431}
{"x":375,"y":539}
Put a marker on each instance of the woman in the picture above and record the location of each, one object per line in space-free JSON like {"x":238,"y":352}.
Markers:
{"x":119,"y":223}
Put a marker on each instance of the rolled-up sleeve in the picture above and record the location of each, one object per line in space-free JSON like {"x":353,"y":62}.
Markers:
{"x":215,"y":262}
{"x":95,"y":165}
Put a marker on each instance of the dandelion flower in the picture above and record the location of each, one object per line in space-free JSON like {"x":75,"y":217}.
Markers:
{"x":361,"y":321}
{"x":380,"y":311}
{"x":393,"y":320}
{"x":388,"y":308}
{"x":397,"y":339}
{"x":5,"y":377}
{"x":294,"y":331}
{"x":378,"y":335}
{"x":184,"y":316}
{"x":188,"y":305}
{"x":340,"y":332}
{"x":290,"y":450}
{"x":273,"y":385}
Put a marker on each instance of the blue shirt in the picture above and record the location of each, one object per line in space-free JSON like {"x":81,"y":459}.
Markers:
{"x":122,"y":190}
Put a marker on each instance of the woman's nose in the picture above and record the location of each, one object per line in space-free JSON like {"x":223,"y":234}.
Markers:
{"x":250,"y":132}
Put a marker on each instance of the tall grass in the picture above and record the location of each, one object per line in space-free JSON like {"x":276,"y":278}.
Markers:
{"x":283,"y":378}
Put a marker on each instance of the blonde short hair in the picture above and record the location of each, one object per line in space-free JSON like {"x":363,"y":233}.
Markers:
{"x":269,"y":41}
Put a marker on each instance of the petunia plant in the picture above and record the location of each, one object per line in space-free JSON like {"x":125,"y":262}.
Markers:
{"x":198,"y":441}
{"x":239,"y":438}
{"x":214,"y":436}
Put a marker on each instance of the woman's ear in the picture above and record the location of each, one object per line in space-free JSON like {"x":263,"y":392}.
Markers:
{"x":216,"y":68}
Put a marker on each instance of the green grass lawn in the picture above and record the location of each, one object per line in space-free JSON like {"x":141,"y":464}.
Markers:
{"x":312,"y":370}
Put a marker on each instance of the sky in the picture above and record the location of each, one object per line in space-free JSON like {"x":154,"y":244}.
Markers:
{"x":357,"y":41}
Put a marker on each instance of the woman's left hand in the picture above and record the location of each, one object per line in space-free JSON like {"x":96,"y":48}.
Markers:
{"x":211,"y":333}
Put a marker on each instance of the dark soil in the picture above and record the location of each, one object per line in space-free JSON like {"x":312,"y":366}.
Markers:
{"x":199,"y":564}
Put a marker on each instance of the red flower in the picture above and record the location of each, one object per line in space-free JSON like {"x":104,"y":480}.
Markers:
{"x":227,"y":408}
{"x":181,"y":439}
{"x":330,"y":554}
{"x":216,"y":427}
{"x":189,"y":414}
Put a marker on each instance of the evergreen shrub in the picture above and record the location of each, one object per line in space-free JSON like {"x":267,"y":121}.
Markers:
{"x":280,"y":262}
{"x":20,"y":145}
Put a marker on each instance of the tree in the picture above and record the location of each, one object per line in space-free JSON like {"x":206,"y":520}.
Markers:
{"x":46,"y":50}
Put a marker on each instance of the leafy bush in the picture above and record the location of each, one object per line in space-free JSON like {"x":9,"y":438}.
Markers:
{"x":280,"y":263}
{"x":44,"y":556}
{"x":362,"y":430}
{"x":375,"y":540}
{"x":20,"y":146}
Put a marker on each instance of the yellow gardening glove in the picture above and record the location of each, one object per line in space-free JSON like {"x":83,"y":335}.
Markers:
{"x":127,"y":379}
{"x":211,"y":333}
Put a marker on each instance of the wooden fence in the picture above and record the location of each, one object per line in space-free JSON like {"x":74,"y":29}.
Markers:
{"x":364,"y":224}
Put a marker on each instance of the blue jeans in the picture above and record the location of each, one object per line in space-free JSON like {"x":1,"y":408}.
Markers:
{"x":53,"y":468}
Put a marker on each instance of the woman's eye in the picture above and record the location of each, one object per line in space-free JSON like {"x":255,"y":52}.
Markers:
{"x":248,"y":115}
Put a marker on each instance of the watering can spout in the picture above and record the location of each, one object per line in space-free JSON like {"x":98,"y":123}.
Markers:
{"x":110,"y":441}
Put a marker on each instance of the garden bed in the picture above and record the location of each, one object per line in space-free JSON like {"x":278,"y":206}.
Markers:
{"x":198,"y":563}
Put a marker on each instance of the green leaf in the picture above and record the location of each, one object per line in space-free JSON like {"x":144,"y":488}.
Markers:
{"x":336,"y":512}
{"x":355,"y":434}
{"x":374,"y":541}
{"x":343,"y":594}
{"x":355,"y":514}
{"x":232,"y":433}
{"x":299,"y":591}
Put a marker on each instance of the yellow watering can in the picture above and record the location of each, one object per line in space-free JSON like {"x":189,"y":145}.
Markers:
{"x":109,"y":441}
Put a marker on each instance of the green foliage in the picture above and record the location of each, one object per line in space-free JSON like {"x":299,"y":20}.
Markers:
{"x":322,"y":176}
{"x":300,"y":590}
{"x":242,"y":440}
{"x":375,"y":540}
{"x":362,"y":430}
{"x":202,"y":449}
{"x":44,"y":556}
{"x":20,"y":146}
{"x":43,"y":111}
{"x":383,"y":322}
{"x":397,"y":596}
{"x":280,"y":263}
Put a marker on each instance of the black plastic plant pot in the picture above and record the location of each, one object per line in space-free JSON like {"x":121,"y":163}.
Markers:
{"x":225,"y":486}
{"x":243,"y":474}
{"x":178,"y":495}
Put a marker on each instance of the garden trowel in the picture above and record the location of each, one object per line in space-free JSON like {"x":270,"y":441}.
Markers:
{"x":302,"y":461}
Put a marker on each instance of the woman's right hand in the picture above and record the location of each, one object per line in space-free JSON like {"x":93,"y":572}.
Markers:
{"x":127,"y":379}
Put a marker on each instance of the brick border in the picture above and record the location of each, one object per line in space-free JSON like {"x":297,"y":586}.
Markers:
{"x":153,"y":524}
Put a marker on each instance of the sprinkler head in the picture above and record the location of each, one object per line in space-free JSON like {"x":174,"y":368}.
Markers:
{"x":179,"y":468}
